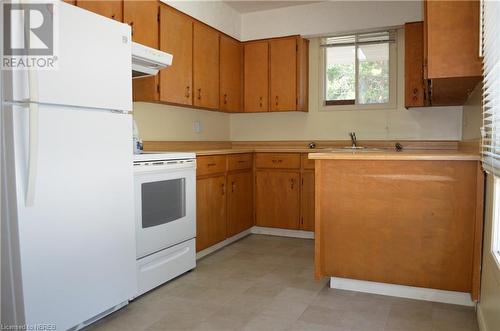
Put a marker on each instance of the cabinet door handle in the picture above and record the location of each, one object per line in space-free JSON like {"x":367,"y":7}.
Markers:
{"x":276,"y":101}
{"x":131,"y":28}
{"x":260,"y":102}
{"x":187,"y":92}
{"x":233,"y":185}
{"x":292,"y":183}
{"x":223,"y":189}
{"x":225,"y":98}
{"x":199,"y":94}
{"x":113,"y":16}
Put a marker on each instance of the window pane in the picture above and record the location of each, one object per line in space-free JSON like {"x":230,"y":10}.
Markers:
{"x":373,"y":73}
{"x":340,"y":73}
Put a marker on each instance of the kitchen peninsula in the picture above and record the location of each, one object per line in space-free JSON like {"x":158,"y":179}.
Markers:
{"x":409,"y":218}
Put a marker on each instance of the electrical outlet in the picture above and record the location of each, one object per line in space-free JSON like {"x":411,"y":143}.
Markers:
{"x":197,"y":126}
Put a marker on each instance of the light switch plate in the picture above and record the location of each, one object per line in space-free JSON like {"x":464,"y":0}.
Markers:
{"x":197,"y":126}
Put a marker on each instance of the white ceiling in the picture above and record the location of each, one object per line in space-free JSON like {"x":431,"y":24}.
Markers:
{"x":253,"y":6}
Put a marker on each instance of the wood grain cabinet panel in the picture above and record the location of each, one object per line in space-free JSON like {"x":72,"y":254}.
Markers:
{"x":231,"y":74}
{"x":277,"y":199}
{"x":210,"y":164}
{"x":277,"y":160}
{"x":307,"y":201}
{"x":176,"y":35}
{"x":239,"y":202}
{"x":256,"y":76}
{"x":240,"y":161}
{"x":205,"y":66}
{"x":143,"y":17}
{"x":414,"y":223}
{"x":283,"y":74}
{"x":452,"y":39}
{"x":210,"y":211}
{"x":414,"y":65}
{"x":111,"y":9}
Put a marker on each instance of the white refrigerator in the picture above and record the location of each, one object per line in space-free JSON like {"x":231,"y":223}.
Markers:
{"x":68,"y":240}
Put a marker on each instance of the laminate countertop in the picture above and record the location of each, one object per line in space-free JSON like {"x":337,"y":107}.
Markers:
{"x":363,"y":154}
{"x":417,"y":155}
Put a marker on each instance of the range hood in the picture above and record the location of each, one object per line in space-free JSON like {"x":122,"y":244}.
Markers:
{"x":146,"y":61}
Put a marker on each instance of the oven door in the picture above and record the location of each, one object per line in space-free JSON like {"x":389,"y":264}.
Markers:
{"x":165,"y":206}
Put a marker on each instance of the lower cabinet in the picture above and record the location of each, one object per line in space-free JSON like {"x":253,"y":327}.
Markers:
{"x":277,"y":199}
{"x":239,"y":202}
{"x":210,"y":211}
{"x":307,"y":201}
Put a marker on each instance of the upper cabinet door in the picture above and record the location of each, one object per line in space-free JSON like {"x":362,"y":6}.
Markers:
{"x":414,"y":65}
{"x":256,"y":76}
{"x":206,"y":66}
{"x":111,"y":9}
{"x":176,"y":36}
{"x":143,"y":17}
{"x":283,"y":59}
{"x":452,"y":29}
{"x":231,"y":74}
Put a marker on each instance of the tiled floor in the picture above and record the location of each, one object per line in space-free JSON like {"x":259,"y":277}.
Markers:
{"x":266,"y":283}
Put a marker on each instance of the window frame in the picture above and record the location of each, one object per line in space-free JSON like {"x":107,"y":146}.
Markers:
{"x":330,"y":105}
{"x":495,"y":222}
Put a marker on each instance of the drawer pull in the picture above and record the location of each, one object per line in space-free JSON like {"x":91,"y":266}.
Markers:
{"x":241,"y":161}
{"x":277,"y":161}
{"x":211,"y":164}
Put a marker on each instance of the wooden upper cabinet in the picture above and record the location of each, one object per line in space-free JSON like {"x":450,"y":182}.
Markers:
{"x":414,"y":65}
{"x":231,"y":74}
{"x":143,"y":17}
{"x":111,"y":9}
{"x":256,"y":76}
{"x":176,"y":35}
{"x":283,"y":75}
{"x":205,"y":66}
{"x":452,"y":39}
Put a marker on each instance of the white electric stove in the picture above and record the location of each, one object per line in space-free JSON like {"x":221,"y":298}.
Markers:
{"x":165,"y":214}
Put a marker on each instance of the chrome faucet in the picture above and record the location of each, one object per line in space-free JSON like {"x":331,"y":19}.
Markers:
{"x":353,"y":139}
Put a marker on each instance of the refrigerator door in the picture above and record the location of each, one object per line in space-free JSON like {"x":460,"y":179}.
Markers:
{"x":94,"y":66}
{"x":77,"y":240}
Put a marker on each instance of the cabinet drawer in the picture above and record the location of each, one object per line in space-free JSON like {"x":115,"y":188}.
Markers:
{"x":210,"y":164}
{"x":278,"y":160}
{"x":239,"y":161}
{"x":306,"y":162}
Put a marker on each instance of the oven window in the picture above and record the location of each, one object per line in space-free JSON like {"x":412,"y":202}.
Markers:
{"x":163,"y":202}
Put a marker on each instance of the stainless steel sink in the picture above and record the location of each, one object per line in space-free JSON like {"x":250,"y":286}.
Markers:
{"x":354,"y":150}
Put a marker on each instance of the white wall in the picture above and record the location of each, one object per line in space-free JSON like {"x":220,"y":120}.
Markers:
{"x":472,"y":119}
{"x":163,"y":122}
{"x":329,"y":17}
{"x":214,"y":13}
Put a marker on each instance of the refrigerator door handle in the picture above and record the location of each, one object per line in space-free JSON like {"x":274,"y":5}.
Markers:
{"x":33,"y":138}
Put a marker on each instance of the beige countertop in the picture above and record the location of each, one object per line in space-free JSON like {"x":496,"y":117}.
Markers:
{"x":339,"y":154}
{"x":418,"y":155}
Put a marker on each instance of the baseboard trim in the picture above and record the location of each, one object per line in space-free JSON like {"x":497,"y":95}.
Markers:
{"x":480,"y":319}
{"x":282,"y":232}
{"x":222,"y":244}
{"x":402,"y":291}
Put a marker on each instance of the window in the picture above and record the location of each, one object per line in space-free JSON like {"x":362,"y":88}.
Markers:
{"x":358,"y":69}
{"x":496,"y":221}
{"x":490,"y":144}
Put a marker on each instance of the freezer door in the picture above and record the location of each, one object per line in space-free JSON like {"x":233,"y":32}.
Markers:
{"x":77,"y":241}
{"x":93,"y":64}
